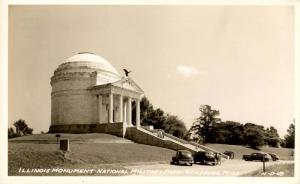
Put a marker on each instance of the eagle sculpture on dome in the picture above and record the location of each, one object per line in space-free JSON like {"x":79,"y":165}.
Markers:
{"x":126,"y":72}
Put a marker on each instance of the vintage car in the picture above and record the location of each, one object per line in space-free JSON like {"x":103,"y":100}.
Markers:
{"x":183,"y":157}
{"x":258,"y":156}
{"x":205,"y":157}
{"x":274,"y":156}
{"x":230,"y":154}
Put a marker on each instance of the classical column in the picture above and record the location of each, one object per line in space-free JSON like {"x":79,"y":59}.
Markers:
{"x":120,"y":108}
{"x":137,"y":112}
{"x":111,"y":108}
{"x":128,"y":115}
{"x":125,"y":111}
{"x":99,"y":108}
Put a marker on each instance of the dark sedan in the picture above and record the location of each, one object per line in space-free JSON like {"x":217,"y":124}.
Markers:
{"x":205,"y":157}
{"x":274,"y":156}
{"x":183,"y":157}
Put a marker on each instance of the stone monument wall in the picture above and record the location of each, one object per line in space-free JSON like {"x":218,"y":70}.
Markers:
{"x":110,"y":128}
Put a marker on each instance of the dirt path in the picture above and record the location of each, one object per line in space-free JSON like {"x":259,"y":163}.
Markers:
{"x":227,"y":168}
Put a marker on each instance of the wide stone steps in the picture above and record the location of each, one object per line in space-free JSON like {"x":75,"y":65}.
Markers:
{"x":192,"y":146}
{"x":168,"y":138}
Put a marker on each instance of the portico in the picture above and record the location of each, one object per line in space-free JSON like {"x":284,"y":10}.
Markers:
{"x":115,"y":102}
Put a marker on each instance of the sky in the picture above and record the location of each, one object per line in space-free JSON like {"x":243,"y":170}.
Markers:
{"x":237,"y":59}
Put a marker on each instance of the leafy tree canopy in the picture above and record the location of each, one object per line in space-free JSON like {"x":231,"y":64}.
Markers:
{"x":159,"y":120}
{"x":22,"y":128}
{"x":203,"y":127}
{"x":290,"y":137}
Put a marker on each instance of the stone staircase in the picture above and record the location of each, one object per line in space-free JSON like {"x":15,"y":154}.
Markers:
{"x":170,"y":138}
{"x":197,"y":146}
{"x":146,"y":135}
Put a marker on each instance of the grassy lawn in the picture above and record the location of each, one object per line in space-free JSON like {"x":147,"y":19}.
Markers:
{"x":239,"y":151}
{"x":100,"y":151}
{"x":278,"y":170}
{"x":89,"y":156}
{"x":51,"y":138}
{"x":119,"y":153}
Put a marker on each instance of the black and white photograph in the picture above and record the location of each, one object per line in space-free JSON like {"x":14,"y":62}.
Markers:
{"x":151,"y":90}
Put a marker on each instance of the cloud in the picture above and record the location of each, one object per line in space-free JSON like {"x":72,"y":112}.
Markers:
{"x":187,"y":71}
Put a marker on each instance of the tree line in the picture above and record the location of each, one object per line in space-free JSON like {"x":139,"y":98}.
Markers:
{"x":209,"y":128}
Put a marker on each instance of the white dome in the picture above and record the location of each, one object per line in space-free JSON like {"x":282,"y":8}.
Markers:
{"x":92,"y":58}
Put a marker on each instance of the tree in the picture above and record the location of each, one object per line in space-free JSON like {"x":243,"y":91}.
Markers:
{"x":159,"y":120}
{"x":272,"y":137}
{"x":11,"y":133}
{"x":204,"y":124}
{"x":173,"y":125}
{"x":282,"y":143}
{"x":236,"y":132}
{"x":218,"y":134}
{"x":22,"y":128}
{"x":254,"y":135}
{"x":146,"y":109}
{"x":156,"y":118}
{"x":290,"y":137}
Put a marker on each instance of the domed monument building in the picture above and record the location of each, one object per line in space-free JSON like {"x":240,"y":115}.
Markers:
{"x":89,"y":95}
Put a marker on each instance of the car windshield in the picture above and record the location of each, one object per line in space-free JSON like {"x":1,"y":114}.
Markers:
{"x":209,"y":154}
{"x":185,"y":154}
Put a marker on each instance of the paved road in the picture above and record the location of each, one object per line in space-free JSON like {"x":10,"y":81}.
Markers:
{"x":227,"y":168}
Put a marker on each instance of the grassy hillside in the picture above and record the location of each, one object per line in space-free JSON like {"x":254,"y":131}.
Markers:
{"x":283,"y":153}
{"x":97,"y":151}
{"x":82,"y":155}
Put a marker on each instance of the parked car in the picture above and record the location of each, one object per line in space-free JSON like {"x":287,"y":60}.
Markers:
{"x":183,"y":157}
{"x":230,"y":154}
{"x":258,"y":156}
{"x":274,"y":156}
{"x":205,"y":157}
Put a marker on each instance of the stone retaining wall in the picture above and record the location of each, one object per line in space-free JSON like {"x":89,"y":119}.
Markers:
{"x":110,"y":128}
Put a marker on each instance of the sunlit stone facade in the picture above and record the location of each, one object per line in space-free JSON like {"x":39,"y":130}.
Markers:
{"x":87,"y":90}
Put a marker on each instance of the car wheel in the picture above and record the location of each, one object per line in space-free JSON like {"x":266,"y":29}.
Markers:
{"x":191,"y":164}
